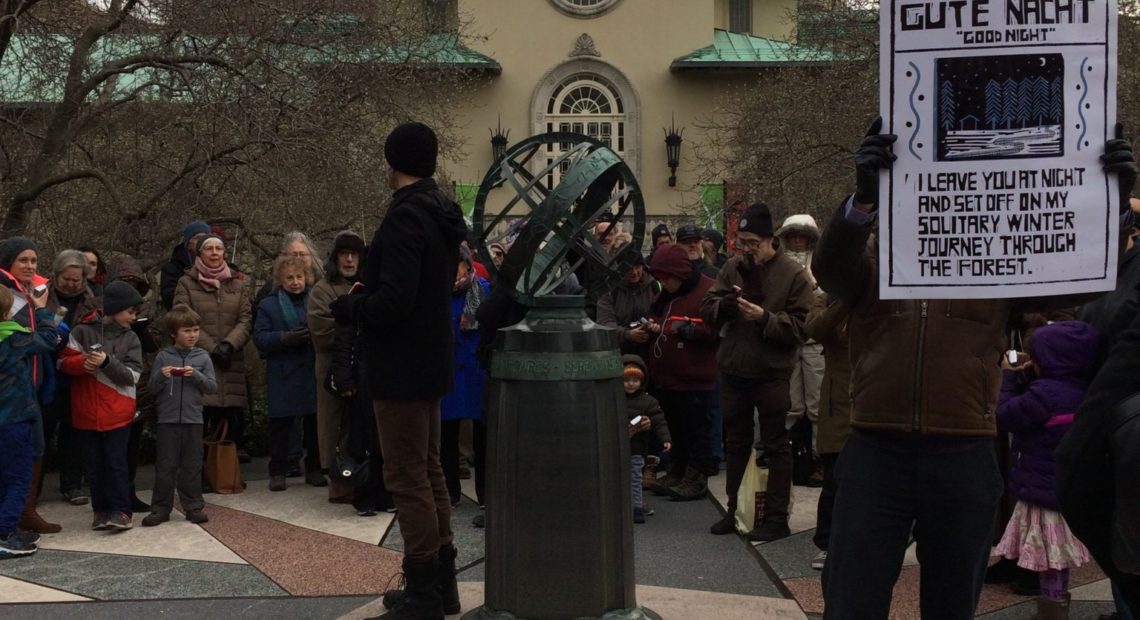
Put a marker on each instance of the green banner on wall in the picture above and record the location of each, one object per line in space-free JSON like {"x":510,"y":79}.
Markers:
{"x":712,"y":205}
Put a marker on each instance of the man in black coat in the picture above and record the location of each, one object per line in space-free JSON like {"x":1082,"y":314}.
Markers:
{"x":405,"y":312}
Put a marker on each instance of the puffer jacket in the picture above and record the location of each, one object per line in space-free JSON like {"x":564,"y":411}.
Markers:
{"x":827,"y":325}
{"x":19,"y":348}
{"x":1039,"y":413}
{"x":641,"y":403}
{"x":767,"y":348}
{"x":226,"y":317}
{"x":105,"y":400}
{"x":927,"y":366}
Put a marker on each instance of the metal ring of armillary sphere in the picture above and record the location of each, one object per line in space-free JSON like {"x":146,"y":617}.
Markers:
{"x":553,"y":226}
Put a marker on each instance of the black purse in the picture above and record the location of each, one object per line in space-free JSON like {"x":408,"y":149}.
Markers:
{"x":350,"y":469}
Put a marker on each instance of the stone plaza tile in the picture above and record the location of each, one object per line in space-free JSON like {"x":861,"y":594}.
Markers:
{"x":265,"y":608}
{"x":305,"y":562}
{"x":904,"y":604}
{"x":177,"y":538}
{"x":803,"y":509}
{"x":468,"y":539}
{"x":669,"y":603}
{"x":306,"y":506}
{"x":16,"y":591}
{"x":122,"y":577}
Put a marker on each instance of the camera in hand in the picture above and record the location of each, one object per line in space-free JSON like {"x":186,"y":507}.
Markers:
{"x":178,"y":372}
{"x":642,"y":323}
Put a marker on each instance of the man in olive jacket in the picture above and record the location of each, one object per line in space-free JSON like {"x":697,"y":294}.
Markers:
{"x":405,"y":311}
{"x":761,"y":329}
{"x":925,"y":382}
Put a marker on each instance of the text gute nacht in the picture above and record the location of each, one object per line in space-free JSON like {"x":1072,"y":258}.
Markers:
{"x":942,"y":14}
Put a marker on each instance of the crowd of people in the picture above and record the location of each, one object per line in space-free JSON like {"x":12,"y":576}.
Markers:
{"x":777,"y":351}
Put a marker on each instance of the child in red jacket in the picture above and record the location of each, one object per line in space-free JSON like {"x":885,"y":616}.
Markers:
{"x":105,"y":357}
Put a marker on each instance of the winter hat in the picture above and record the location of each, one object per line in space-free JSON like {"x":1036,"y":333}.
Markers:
{"x":802,"y":224}
{"x":118,"y":296}
{"x":687,"y":232}
{"x":661,"y":230}
{"x":12,"y":247}
{"x":194,"y":228}
{"x":412,"y":148}
{"x":346,"y":240}
{"x":671,"y":261}
{"x":633,"y":371}
{"x":632,"y":360}
{"x":713,"y":235}
{"x":206,"y":237}
{"x":757,"y":219}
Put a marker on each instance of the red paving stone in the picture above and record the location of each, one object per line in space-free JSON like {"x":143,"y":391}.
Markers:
{"x":302,"y":561}
{"x":904,"y":604}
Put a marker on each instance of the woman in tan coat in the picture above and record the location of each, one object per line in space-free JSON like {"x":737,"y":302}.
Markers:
{"x":220,"y":295}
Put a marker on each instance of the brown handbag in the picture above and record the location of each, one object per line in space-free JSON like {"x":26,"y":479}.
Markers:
{"x":222,"y":469}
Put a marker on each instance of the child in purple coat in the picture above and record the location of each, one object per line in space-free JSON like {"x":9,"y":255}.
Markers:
{"x":1037,"y":403}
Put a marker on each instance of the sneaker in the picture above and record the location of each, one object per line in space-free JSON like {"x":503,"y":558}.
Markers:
{"x":11,"y":546}
{"x":30,"y":538}
{"x":76,"y":497}
{"x":818,"y":562}
{"x":316,"y":479}
{"x":768,"y":531}
{"x":99,"y":521}
{"x":726,"y":525}
{"x":155,"y":518}
{"x":638,"y":515}
{"x":480,"y":520}
{"x":294,"y":470}
{"x":197,"y":516}
{"x":366,"y":512}
{"x":277,"y":483}
{"x":121,"y":521}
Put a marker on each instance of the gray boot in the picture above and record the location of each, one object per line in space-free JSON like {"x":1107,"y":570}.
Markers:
{"x":693,"y":486}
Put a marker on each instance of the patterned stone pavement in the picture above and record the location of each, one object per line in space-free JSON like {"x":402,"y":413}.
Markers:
{"x":291,"y":554}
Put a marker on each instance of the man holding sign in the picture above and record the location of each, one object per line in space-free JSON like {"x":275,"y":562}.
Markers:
{"x":925,"y":385}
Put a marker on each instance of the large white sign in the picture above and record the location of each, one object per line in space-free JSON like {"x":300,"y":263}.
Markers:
{"x":1002,"y":109}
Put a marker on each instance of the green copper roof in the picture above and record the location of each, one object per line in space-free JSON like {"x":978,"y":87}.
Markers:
{"x":25,"y":82}
{"x":734,"y":50}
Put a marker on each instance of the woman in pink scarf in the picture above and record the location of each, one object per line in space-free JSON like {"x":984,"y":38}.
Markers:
{"x":220,"y":295}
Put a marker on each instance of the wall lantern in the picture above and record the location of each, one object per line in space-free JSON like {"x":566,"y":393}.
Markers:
{"x":499,"y":140}
{"x":673,"y":142}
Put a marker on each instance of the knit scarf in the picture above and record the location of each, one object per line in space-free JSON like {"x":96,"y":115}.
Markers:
{"x":288,"y":312}
{"x":471,"y":303}
{"x":211,"y":279}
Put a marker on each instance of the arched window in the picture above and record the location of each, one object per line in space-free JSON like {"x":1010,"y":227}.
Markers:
{"x":588,"y":104}
{"x":584,"y":8}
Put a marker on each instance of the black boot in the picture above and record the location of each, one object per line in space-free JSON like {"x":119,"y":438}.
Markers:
{"x":448,"y":587}
{"x":419,"y":600}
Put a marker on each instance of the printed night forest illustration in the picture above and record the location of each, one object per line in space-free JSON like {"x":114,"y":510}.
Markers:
{"x":1000,"y":107}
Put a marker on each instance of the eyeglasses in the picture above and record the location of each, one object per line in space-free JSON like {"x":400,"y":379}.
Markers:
{"x":751,"y":244}
{"x":299,"y":254}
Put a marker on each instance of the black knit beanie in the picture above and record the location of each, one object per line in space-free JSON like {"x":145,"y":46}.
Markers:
{"x":12,"y":247}
{"x":757,"y":219}
{"x":118,"y":296}
{"x":412,"y":148}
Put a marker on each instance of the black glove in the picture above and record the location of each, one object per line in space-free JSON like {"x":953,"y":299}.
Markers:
{"x":1119,"y":159}
{"x":223,"y":354}
{"x":342,"y":309}
{"x":874,"y":154}
{"x":728,"y":310}
{"x":688,"y":330}
{"x":296,"y":338}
